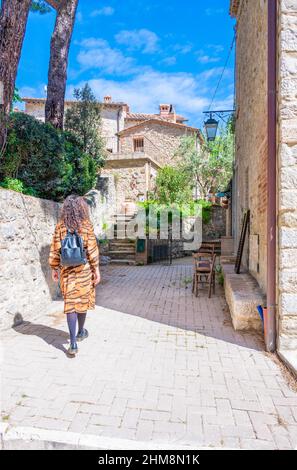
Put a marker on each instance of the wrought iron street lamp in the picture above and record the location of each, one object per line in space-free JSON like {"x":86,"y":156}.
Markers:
{"x":211,"y":128}
{"x":211,"y":125}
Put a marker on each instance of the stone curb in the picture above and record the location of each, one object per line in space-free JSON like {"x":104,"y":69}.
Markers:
{"x":29,"y":438}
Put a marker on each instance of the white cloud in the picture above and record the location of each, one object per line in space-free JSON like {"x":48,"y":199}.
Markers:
{"x":206,"y":59}
{"x":183,"y":48}
{"x":30,"y":92}
{"x":145,"y":91}
{"x":142,"y":40}
{"x":143,"y":87}
{"x":210,"y":54}
{"x":169,"y":60}
{"x":217,"y":48}
{"x":97,"y":54}
{"x":104,"y":11}
{"x":79,"y":17}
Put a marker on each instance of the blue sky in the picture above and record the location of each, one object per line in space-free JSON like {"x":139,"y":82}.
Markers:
{"x":141,"y":52}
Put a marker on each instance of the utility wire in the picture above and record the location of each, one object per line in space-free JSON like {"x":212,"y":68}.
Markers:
{"x":223,"y":71}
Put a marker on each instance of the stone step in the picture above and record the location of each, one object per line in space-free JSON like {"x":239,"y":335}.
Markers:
{"x":123,"y":261}
{"x":122,"y":247}
{"x":130,"y":251}
{"x":122,"y":218}
{"x":122,"y":242}
{"x":243,"y":295}
{"x":121,"y":255}
{"x":121,"y":235}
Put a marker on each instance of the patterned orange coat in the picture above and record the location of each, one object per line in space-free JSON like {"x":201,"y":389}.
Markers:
{"x":76,"y":282}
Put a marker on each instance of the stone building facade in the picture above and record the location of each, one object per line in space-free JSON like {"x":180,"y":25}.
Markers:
{"x":144,"y":148}
{"x":287,"y":180}
{"x":160,"y":139}
{"x":137,"y":144}
{"x":251,"y":133}
{"x":113,"y":117}
{"x":250,"y":181}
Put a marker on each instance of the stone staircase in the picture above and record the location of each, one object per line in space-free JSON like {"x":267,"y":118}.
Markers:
{"x":122,"y":250}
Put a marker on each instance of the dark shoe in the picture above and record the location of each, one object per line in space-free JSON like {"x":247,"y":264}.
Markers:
{"x":82,"y":335}
{"x":73,"y":349}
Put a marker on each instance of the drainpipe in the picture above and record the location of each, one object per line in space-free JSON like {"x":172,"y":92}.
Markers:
{"x":270,"y":333}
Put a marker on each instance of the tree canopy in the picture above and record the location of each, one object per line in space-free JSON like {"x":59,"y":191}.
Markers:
{"x":44,"y":161}
{"x":210,"y":165}
{"x":40,"y":6}
{"x":83,"y":119}
{"x":173,"y":186}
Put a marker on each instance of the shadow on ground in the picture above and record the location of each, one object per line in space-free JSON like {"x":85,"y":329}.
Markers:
{"x":52,"y":336}
{"x":163,"y":294}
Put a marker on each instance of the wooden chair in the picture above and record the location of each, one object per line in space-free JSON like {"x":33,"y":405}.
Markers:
{"x":204,"y":272}
{"x":207,"y":248}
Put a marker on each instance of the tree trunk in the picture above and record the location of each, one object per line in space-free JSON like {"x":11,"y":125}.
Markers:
{"x":57,"y":74}
{"x":13,"y":21}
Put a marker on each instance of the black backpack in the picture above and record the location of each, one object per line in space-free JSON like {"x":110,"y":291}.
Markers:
{"x":72,"y":250}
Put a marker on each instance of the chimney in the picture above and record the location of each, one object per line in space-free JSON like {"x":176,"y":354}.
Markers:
{"x":165,"y":109}
{"x":107,"y":99}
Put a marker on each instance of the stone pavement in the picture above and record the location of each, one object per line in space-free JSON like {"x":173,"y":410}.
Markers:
{"x":159,"y":365}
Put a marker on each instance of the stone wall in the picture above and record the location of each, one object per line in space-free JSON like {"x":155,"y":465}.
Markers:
{"x":132,"y":181}
{"x":250,"y":183}
{"x":26,"y":229}
{"x":102,"y":205}
{"x":287,"y":177}
{"x":160,"y":141}
{"x":37,"y":109}
{"x":216,"y":227}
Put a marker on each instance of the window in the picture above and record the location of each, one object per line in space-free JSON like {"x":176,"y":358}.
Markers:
{"x":138,"y":144}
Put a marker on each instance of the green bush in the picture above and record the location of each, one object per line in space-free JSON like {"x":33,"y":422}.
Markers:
{"x":186,"y":209}
{"x":153,"y":209}
{"x":49,"y":161}
{"x":173,"y":186}
{"x":81,"y":172}
{"x":17,"y":185}
{"x":13,"y":184}
{"x":206,"y":210}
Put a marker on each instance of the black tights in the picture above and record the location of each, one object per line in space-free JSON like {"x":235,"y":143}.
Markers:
{"x":72,"y":319}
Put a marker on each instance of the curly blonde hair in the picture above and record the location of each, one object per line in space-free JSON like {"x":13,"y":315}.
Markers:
{"x":74,"y":212}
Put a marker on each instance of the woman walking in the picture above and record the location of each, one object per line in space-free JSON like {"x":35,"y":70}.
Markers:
{"x":78,"y":280}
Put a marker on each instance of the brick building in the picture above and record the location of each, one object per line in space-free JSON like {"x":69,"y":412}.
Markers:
{"x":138,"y":144}
{"x":265,"y":180}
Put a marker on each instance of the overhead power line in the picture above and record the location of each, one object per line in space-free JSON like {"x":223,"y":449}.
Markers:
{"x":223,"y":72}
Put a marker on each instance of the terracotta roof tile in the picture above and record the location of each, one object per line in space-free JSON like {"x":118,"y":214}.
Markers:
{"x":163,"y":122}
{"x":68,"y":102}
{"x":145,"y":117}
